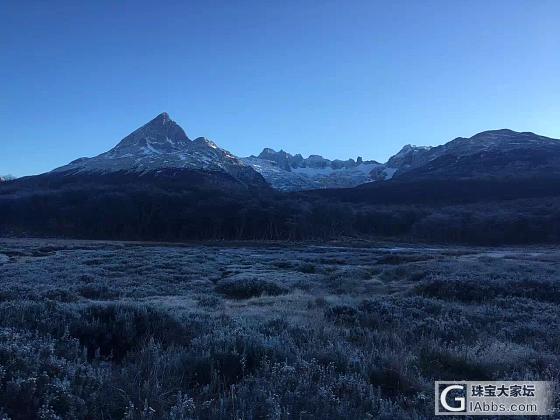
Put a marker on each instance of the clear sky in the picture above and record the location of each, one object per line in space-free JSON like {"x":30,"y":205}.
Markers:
{"x":338,"y":78}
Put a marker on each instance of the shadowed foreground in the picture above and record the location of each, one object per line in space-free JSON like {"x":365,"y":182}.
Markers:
{"x":112,"y":330}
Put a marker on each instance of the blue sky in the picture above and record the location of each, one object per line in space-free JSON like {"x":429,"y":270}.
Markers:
{"x":337,"y":78}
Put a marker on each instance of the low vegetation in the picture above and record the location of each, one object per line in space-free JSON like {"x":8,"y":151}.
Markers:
{"x":248,"y":287}
{"x":138,"y":331}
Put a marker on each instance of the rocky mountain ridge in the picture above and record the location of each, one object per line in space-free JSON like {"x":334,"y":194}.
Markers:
{"x":162,"y":145}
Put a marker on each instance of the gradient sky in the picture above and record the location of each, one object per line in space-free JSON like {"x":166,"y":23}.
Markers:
{"x":337,"y":78}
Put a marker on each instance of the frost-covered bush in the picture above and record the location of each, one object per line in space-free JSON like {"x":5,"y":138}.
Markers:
{"x":356,"y":339}
{"x":41,"y":375}
{"x":307,"y":268}
{"x":113,"y":330}
{"x":466,"y":289}
{"x":97,"y":292}
{"x":245,"y":288}
{"x":342,"y":313}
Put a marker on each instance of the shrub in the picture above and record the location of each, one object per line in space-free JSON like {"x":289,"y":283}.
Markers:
{"x":209,"y":301}
{"x":481,"y":290}
{"x":396,"y":259}
{"x":446,"y":364}
{"x":342,"y":313}
{"x":307,"y":268}
{"x":282,"y":264}
{"x":113,"y":330}
{"x":248,"y":287}
{"x":392,"y":381}
{"x":39,"y":375}
{"x":97,"y":292}
{"x":60,"y":295}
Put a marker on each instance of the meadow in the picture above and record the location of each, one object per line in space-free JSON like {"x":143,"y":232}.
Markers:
{"x":111,"y":330}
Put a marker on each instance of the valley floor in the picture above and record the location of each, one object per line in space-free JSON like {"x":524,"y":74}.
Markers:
{"x":92,"y":329}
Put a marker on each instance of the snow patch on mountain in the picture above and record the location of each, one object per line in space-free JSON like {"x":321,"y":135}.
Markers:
{"x":287,"y":172}
{"x":5,"y":178}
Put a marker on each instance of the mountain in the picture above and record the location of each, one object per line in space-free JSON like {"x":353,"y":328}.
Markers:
{"x":161,"y":146}
{"x":287,"y":172}
{"x":4,"y":178}
{"x":407,"y":157}
{"x":489,"y":154}
{"x":495,"y":153}
{"x":155,"y":183}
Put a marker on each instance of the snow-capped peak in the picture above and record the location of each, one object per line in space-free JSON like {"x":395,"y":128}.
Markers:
{"x":159,"y":144}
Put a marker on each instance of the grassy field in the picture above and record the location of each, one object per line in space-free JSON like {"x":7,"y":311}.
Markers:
{"x":149,"y":331}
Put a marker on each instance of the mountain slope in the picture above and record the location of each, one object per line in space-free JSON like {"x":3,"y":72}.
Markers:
{"x":495,"y":153}
{"x":162,"y":145}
